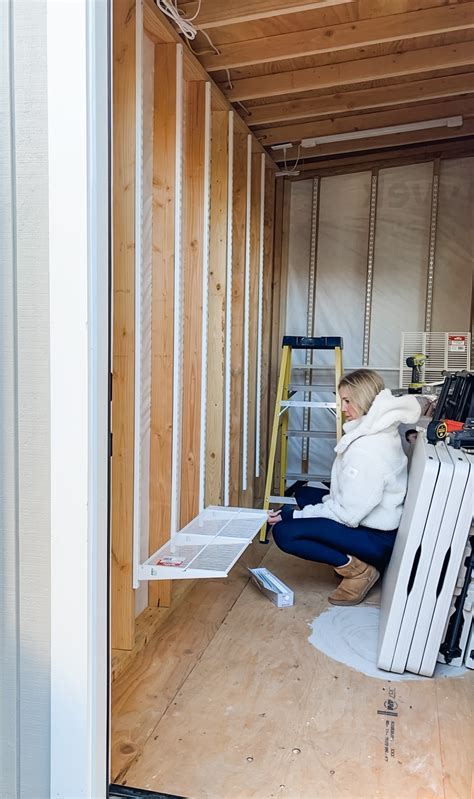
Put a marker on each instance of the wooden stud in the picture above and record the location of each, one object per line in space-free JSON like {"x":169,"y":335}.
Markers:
{"x":123,"y":365}
{"x":217,"y":294}
{"x":379,"y":96}
{"x":267,"y":328}
{"x":193,"y":216}
{"x":361,"y":33}
{"x":412,"y":62}
{"x":238,"y":267}
{"x":247,"y":497}
{"x":164,"y":196}
{"x":161,"y":31}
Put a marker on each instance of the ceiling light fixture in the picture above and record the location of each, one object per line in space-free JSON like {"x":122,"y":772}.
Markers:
{"x":447,"y":122}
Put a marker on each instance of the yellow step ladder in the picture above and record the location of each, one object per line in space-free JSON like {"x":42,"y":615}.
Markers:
{"x":284,"y":401}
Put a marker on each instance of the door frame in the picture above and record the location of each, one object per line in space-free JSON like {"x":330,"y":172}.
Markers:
{"x":78,"y":54}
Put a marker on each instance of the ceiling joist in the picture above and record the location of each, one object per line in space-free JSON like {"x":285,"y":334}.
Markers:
{"x":352,"y":124}
{"x":342,"y":37}
{"x":385,"y":158}
{"x":351,"y":72}
{"x":217,"y":14}
{"x":382,"y":142}
{"x":397,"y":94}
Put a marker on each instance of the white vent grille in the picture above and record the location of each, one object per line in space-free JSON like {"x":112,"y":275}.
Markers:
{"x":445,"y":351}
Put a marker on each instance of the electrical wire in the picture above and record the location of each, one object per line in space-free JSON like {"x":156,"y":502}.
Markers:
{"x":295,"y":165}
{"x":185,"y":24}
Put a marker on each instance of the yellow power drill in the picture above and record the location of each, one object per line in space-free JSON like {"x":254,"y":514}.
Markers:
{"x":415,"y":362}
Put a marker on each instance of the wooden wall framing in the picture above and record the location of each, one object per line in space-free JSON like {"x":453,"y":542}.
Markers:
{"x":169,"y":54}
{"x":123,"y":343}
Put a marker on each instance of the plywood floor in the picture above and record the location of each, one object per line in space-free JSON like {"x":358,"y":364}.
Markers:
{"x":230,"y":701}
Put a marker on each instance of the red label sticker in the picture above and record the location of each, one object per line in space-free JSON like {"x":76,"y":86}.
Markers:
{"x":457,"y":343}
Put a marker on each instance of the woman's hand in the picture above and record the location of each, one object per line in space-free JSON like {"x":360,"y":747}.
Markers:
{"x":274,"y":517}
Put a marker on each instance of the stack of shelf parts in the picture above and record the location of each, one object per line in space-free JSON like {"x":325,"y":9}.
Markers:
{"x":430,"y":550}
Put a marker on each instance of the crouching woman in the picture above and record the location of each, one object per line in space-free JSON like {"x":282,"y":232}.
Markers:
{"x":352,"y":526}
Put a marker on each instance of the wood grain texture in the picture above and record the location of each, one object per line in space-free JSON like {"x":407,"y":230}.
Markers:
{"x":238,"y":279}
{"x":214,"y":14}
{"x":146,"y":626}
{"x":352,"y":72}
{"x":164,"y":198}
{"x":408,"y":154}
{"x":123,"y":364}
{"x":247,"y":497}
{"x":365,"y":121}
{"x":393,"y":141}
{"x":316,"y":18}
{"x":398,"y":94}
{"x":363,"y":33}
{"x":193,"y":222}
{"x":296,"y":728}
{"x":170,"y":644}
{"x":216,"y":309}
{"x":268,"y":232}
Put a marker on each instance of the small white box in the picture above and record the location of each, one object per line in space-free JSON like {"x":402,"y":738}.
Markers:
{"x":273,"y":588}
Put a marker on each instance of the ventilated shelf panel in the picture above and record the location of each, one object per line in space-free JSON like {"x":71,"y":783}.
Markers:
{"x":207,"y":547}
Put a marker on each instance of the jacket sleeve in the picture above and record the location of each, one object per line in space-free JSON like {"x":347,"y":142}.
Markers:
{"x":361,"y":490}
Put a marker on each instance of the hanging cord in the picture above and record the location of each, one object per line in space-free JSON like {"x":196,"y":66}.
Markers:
{"x":295,"y":165}
{"x":185,"y":24}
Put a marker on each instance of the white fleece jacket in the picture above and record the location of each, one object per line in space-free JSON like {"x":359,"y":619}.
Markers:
{"x":369,"y":475}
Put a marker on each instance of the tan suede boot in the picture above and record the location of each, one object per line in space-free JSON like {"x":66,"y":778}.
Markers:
{"x":358,"y":579}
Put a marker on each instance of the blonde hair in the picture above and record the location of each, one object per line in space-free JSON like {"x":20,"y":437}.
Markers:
{"x":362,"y":386}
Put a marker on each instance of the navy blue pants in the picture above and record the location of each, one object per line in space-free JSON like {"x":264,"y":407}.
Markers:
{"x":326,"y":541}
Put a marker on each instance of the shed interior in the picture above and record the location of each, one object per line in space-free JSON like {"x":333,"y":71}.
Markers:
{"x":299,"y":167}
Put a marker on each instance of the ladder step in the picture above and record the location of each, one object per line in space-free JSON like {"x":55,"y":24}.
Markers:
{"x":307,"y":343}
{"x":329,"y":387}
{"x":302,"y":476}
{"x":282,"y":500}
{"x":289,"y":403}
{"x":311,"y":434}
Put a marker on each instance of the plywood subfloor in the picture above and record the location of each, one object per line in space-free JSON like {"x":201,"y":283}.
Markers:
{"x":232,"y":702}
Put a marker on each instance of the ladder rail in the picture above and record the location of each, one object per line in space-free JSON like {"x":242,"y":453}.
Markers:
{"x":283,"y":403}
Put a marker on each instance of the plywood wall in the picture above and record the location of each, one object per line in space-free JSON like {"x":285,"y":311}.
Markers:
{"x":204,"y":303}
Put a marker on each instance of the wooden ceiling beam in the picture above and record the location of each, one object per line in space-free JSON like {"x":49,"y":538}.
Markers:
{"x":382,"y":142}
{"x":397,"y":94}
{"x":217,"y":14}
{"x":352,"y":124}
{"x":157,"y":28}
{"x":345,"y":36}
{"x":386,"y":158}
{"x":413,"y":62}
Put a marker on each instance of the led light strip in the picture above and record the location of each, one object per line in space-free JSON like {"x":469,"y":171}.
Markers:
{"x":178,"y":298}
{"x":205,"y":293}
{"x":228,"y":318}
{"x":245,"y":410}
{"x":138,"y":291}
{"x":258,"y":399}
